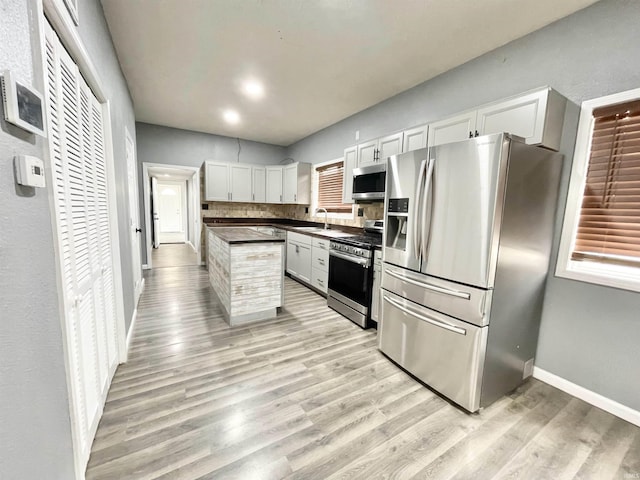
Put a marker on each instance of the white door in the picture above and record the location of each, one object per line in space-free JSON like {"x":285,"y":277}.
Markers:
{"x":452,"y":129}
{"x":134,"y":216}
{"x":274,"y":184}
{"x":259,"y":184}
{"x":415,"y":138}
{"x":350,"y":162}
{"x":216,"y":186}
{"x":290,"y":184}
{"x":389,"y":145}
{"x":171,"y":212}
{"x":240,"y":180}
{"x":367,"y":153}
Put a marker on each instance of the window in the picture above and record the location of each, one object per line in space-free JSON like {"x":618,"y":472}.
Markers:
{"x":601,"y":234}
{"x":328,"y":178}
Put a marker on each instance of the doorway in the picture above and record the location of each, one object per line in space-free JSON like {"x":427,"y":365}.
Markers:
{"x":172,"y":215}
{"x":171,"y":226}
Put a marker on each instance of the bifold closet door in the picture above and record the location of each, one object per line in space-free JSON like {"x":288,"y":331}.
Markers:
{"x":80,"y":191}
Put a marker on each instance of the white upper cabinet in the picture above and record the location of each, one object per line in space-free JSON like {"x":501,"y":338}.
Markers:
{"x":259,"y":185}
{"x":389,"y":145}
{"x":367,"y":153}
{"x":350,"y":162}
{"x":415,"y":138}
{"x":535,"y":116}
{"x":240,"y":181}
{"x":274,"y":184}
{"x":452,"y":129}
{"x":216,"y":186}
{"x":297,"y":183}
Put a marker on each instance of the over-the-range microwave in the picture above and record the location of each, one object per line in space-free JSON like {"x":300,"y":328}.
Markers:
{"x":369,"y":182}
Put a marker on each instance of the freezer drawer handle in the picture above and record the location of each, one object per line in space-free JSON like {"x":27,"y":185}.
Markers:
{"x":432,"y":321}
{"x":428,"y":286}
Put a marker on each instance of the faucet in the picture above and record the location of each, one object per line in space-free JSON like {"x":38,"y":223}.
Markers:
{"x":326,"y":227}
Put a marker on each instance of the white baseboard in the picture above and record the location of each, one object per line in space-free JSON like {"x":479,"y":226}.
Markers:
{"x":146,"y":267}
{"x":193,"y":247}
{"x":130,"y":333}
{"x":593,"y":398}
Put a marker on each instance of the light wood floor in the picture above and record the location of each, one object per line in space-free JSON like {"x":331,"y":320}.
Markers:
{"x":174,"y":255}
{"x":308,"y":396}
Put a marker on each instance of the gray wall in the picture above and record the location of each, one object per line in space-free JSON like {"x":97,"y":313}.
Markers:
{"x":173,"y":146}
{"x":589,"y":334}
{"x":35,"y":431}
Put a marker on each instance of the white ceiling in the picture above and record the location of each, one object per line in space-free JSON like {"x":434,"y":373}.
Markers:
{"x":319,"y":60}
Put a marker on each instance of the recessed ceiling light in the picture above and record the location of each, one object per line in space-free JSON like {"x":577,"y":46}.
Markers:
{"x":253,"y":89}
{"x":231,"y":116}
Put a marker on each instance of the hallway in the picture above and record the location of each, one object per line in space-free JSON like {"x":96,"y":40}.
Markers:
{"x":308,"y":396}
{"x":174,"y":255}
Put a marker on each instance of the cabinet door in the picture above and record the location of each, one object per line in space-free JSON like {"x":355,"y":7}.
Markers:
{"x":290,"y":183}
{"x":350,"y":162}
{"x":217,"y":182}
{"x":304,"y":263}
{"x":415,"y":138}
{"x":389,"y":145}
{"x":259,"y":185}
{"x":367,"y":153}
{"x":452,"y":129}
{"x":523,"y":116}
{"x":292,"y":257}
{"x":240,"y":180}
{"x":274,"y":184}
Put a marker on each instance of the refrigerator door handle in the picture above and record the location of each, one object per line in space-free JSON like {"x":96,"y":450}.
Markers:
{"x":427,"y":205}
{"x":417,"y":242}
{"x":432,"y":321}
{"x":428,"y":286}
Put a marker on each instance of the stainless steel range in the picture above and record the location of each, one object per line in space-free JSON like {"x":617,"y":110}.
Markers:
{"x":351,"y":273}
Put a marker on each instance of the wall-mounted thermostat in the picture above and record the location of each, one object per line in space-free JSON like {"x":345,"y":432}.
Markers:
{"x":23,"y":106}
{"x":29,"y":171}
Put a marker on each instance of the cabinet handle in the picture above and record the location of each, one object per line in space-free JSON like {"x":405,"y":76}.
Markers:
{"x":477,"y":134}
{"x":253,"y":197}
{"x":470,"y":134}
{"x":280,"y":198}
{"x":320,"y":281}
{"x":295,"y":197}
{"x":320,"y":261}
{"x":230,"y":196}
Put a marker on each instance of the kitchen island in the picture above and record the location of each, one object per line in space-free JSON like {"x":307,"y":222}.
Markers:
{"x":246,"y":273}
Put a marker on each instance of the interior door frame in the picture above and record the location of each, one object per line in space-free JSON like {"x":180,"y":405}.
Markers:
{"x":193,"y":201}
{"x":56,"y":13}
{"x":184,"y":203}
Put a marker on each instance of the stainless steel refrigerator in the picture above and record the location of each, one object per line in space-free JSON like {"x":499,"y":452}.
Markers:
{"x":468,"y":232}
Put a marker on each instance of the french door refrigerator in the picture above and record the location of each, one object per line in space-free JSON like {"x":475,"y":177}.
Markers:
{"x":468,"y":232}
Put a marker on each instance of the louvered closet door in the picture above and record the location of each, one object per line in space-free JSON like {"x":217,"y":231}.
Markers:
{"x":80,"y":186}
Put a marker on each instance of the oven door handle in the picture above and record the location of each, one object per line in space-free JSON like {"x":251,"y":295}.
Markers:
{"x":365,"y":262}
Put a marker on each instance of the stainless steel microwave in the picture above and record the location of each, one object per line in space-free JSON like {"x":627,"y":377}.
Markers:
{"x":369,"y":182}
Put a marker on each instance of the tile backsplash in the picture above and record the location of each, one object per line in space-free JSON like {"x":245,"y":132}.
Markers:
{"x":371,"y":211}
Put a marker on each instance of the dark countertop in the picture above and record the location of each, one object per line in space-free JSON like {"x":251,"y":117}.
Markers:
{"x":285,"y":224}
{"x":236,"y":235}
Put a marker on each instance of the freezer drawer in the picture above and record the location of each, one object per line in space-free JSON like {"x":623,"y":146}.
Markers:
{"x":460,"y":301}
{"x":445,"y":353}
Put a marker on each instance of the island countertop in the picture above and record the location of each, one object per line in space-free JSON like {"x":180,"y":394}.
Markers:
{"x":235,"y":235}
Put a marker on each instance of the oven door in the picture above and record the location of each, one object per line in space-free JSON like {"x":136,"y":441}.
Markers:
{"x":350,"y":280}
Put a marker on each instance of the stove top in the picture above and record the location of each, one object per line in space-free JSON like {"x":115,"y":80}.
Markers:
{"x":370,"y":239}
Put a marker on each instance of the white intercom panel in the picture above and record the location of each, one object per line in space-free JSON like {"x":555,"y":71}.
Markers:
{"x":29,"y":171}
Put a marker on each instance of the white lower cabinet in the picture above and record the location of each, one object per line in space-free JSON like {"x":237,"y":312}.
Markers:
{"x":320,"y":263}
{"x":308,"y":260}
{"x":299,"y":256}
